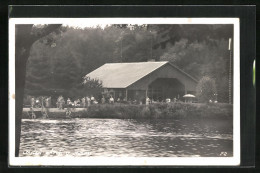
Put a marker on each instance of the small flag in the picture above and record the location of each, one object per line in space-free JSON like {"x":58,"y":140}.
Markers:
{"x":229,"y":44}
{"x":254,"y":73}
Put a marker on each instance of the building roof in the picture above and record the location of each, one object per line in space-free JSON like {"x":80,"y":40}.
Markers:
{"x":122,"y":75}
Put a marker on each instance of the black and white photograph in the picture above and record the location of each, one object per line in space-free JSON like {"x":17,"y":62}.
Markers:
{"x":124,"y":91}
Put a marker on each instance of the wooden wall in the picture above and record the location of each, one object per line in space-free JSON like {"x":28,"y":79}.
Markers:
{"x":167,"y":71}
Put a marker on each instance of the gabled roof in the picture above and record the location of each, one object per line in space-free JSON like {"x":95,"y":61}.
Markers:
{"x":121,"y":75}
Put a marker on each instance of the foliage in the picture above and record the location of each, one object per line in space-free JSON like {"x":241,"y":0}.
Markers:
{"x":92,"y":86}
{"x":200,"y":50}
{"x":206,"y":89}
{"x":202,"y":59}
{"x":39,"y":75}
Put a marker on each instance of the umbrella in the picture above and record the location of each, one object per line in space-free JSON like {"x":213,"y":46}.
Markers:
{"x":188,"y":96}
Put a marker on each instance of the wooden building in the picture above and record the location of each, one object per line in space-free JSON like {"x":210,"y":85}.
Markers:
{"x":136,"y":81}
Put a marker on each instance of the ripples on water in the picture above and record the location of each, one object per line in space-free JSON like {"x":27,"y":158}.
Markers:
{"x":130,"y":138}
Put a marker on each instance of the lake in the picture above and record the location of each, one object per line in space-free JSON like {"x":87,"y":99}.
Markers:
{"x":81,"y":137}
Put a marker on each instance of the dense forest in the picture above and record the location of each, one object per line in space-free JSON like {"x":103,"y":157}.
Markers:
{"x":58,"y":68}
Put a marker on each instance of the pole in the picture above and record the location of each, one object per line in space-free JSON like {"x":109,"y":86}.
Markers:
{"x":121,"y":50}
{"x":152,"y":47}
{"x":230,"y":73}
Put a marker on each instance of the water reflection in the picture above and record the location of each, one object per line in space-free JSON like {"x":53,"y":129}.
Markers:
{"x":131,"y":138}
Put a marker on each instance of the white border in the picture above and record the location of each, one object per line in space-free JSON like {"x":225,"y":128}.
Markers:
{"x":128,"y":161}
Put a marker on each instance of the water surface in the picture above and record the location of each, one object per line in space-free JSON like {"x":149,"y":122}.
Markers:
{"x":123,"y":137}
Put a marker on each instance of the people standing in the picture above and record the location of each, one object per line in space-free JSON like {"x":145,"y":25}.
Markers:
{"x":69,"y":106}
{"x":83,"y":101}
{"x":92,"y":99}
{"x":147,"y":101}
{"x":47,"y":105}
{"x":111,"y":100}
{"x":62,"y":103}
{"x":103,"y":100}
{"x":88,"y":101}
{"x":37,"y":103}
{"x":68,"y":102}
{"x":58,"y":102}
{"x":76,"y":102}
{"x":32,"y":102}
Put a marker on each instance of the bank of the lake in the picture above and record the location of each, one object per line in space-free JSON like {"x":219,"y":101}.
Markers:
{"x":152,"y":111}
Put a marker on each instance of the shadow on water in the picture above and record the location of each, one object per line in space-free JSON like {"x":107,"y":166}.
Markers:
{"x":130,"y":138}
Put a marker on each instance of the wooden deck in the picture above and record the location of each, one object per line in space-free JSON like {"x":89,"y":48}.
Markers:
{"x":55,"y":109}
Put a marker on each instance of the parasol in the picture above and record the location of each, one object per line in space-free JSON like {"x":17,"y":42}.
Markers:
{"x":189,"y":96}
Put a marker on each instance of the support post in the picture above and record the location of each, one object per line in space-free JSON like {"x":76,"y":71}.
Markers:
{"x":230,"y":72}
{"x":126,"y":94}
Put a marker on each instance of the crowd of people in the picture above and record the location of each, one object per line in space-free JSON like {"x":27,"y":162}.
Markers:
{"x":84,"y":102}
{"x":39,"y":102}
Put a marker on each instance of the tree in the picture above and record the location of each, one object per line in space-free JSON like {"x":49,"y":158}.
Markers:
{"x":135,"y":43}
{"x":206,"y":89}
{"x":25,"y":36}
{"x":39,"y":74}
{"x":92,"y":86}
{"x":195,"y":32}
{"x":200,"y":50}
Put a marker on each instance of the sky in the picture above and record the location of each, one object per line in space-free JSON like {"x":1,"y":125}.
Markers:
{"x":84,"y":25}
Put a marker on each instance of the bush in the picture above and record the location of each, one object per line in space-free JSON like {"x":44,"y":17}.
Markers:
{"x":160,"y":110}
{"x":206,"y":89}
{"x":152,"y":111}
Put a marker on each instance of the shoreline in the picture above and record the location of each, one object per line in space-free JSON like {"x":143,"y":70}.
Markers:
{"x":152,"y":111}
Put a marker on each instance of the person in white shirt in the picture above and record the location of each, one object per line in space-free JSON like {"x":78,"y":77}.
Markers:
{"x":92,"y":99}
{"x":111,"y":100}
{"x":147,"y":101}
